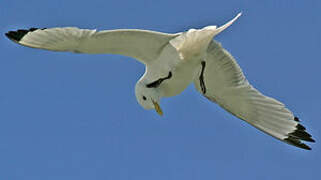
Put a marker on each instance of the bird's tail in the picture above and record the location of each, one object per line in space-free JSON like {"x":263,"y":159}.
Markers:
{"x":195,"y":42}
{"x":222,"y":28}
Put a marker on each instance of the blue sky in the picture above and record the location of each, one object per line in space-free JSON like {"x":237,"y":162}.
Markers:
{"x":73,"y":116}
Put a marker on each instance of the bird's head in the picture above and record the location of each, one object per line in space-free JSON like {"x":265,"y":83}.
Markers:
{"x":148,"y":98}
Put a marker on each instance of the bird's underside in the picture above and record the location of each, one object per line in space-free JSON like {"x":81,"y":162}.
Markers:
{"x":220,"y":78}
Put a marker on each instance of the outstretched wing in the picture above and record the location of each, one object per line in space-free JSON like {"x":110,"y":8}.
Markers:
{"x":143,"y":45}
{"x":226,"y":85}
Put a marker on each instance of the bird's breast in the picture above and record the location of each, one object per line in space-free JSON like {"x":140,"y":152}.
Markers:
{"x":182,"y":70}
{"x":182,"y":76}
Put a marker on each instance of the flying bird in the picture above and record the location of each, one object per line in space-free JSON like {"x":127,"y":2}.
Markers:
{"x":173,"y":61}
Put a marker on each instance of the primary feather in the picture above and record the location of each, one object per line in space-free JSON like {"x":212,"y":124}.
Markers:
{"x":142,"y":45}
{"x":227,"y":86}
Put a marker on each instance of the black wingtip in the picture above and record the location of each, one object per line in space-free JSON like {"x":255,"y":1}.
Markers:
{"x":302,"y":135}
{"x":19,"y":34}
{"x":297,"y":143}
{"x":299,"y":134}
{"x":8,"y":34}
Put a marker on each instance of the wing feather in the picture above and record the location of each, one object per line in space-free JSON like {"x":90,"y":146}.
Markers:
{"x":227,"y":86}
{"x":143,"y":45}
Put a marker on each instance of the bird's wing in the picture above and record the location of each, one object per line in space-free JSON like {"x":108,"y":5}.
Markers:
{"x":143,"y":45}
{"x":226,"y":85}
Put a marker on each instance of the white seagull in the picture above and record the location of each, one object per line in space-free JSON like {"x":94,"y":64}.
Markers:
{"x":173,"y":61}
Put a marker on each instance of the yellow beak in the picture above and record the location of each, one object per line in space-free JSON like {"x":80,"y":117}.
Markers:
{"x":158,"y":108}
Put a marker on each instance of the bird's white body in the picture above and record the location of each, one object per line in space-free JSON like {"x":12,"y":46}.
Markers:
{"x":185,"y":71}
{"x":174,"y":61}
{"x":182,"y":55}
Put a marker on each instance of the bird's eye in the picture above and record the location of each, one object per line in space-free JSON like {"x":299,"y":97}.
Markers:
{"x":144,"y":98}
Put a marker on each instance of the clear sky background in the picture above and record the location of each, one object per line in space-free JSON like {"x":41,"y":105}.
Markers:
{"x":75,"y":117}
